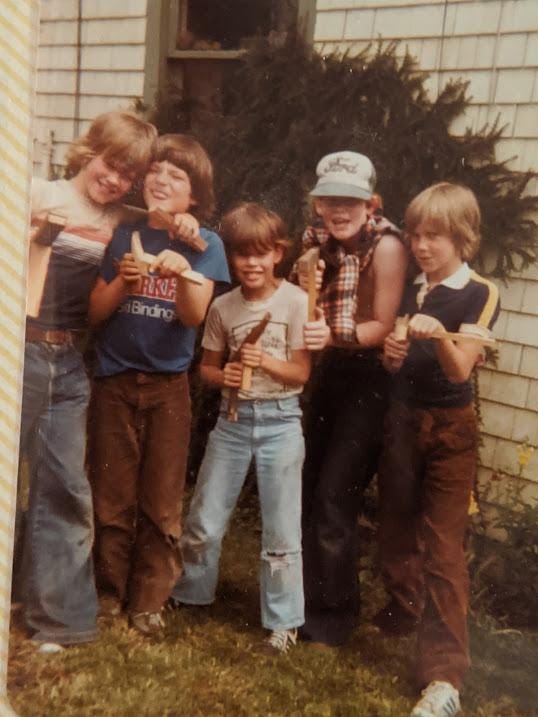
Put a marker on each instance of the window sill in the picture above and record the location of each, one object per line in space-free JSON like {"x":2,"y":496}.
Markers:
{"x":206,"y":54}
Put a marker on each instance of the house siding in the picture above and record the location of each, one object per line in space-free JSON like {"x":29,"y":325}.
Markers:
{"x":74,"y":83}
{"x":492,"y":44}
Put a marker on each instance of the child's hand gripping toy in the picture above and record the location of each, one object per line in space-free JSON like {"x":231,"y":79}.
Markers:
{"x":403,"y":331}
{"x":246,"y":379}
{"x":161,"y":219}
{"x":146,"y":261}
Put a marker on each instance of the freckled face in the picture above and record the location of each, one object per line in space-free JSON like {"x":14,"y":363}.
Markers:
{"x":343,"y":217}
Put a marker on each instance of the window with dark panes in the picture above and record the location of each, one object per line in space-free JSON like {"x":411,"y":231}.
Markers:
{"x":227,"y":24}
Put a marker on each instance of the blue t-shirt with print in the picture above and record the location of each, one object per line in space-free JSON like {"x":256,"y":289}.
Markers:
{"x":144,"y":333}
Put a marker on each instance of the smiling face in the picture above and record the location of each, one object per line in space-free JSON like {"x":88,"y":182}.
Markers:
{"x":343,"y":217}
{"x":168,"y":187}
{"x":435,"y":252}
{"x":256,"y":273}
{"x":101,"y":182}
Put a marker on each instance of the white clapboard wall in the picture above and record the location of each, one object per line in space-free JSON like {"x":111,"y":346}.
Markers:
{"x":91,"y":59}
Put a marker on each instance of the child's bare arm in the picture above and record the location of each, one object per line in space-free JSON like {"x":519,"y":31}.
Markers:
{"x":215,"y":374}
{"x":105,"y":298}
{"x":192,"y":300}
{"x":389,"y":266}
{"x":457,"y":359}
{"x":294,"y":372}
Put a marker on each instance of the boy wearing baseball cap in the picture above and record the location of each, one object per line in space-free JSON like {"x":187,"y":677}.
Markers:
{"x":360,"y":275}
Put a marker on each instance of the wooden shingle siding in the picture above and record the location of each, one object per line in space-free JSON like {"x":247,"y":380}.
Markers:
{"x":493,"y":44}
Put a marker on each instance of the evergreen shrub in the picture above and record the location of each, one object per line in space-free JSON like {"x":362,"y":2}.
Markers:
{"x":287,"y":106}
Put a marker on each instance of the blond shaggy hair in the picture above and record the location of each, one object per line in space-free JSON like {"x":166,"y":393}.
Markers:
{"x":124,"y":141}
{"x":449,"y":209}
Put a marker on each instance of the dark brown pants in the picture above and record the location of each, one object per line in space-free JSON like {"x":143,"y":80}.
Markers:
{"x":140,"y":439}
{"x":426,"y":477}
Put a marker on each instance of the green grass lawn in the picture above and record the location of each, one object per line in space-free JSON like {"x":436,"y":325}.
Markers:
{"x":209,"y":663}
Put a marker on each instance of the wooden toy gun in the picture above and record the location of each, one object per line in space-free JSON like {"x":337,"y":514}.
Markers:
{"x":401,"y":329}
{"x":246,"y":379}
{"x":42,"y":234}
{"x":308,"y":264}
{"x":164,"y":220}
{"x":145,"y":261}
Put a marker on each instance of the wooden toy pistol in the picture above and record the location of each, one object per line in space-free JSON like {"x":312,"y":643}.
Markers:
{"x":251,"y":338}
{"x":145,"y":261}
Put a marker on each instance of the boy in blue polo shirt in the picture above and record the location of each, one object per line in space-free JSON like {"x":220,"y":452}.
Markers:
{"x":429,"y":459}
{"x":141,"y":418}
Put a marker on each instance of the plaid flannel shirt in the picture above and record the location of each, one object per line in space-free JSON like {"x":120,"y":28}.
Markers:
{"x":339,"y":295}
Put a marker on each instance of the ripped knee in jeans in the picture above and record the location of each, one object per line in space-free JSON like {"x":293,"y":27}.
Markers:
{"x":194,"y":551}
{"x":279,"y":559}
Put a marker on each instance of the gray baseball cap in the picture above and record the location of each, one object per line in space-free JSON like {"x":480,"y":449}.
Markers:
{"x":345,"y":174}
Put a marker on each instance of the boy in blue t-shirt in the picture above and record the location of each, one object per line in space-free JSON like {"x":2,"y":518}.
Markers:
{"x":428,"y":465}
{"x":141,"y":418}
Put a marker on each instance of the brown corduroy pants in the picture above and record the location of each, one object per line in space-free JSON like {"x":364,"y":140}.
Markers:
{"x":426,"y":476}
{"x":140,"y":432}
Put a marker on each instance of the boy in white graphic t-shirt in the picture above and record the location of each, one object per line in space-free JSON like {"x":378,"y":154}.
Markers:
{"x":268,"y":425}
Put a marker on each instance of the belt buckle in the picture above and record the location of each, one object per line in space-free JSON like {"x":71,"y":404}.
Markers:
{"x":60,"y":337}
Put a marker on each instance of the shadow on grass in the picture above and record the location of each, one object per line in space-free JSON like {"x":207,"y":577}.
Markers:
{"x":209,"y":663}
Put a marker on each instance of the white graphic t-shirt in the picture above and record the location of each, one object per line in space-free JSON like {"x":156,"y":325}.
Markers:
{"x":231,"y":318}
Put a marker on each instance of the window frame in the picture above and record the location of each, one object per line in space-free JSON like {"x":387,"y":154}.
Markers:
{"x":177,"y":13}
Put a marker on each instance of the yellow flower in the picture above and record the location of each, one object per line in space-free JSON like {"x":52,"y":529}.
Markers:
{"x":524,"y":454}
{"x":473,"y":506}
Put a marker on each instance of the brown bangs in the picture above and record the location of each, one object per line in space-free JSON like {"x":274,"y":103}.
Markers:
{"x":250,"y":229}
{"x":187,"y":154}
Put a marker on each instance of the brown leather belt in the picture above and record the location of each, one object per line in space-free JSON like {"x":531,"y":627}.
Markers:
{"x":51,"y":336}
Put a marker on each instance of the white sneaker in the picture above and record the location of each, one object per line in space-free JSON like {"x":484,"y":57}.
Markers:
{"x":280,"y":640}
{"x":50,"y":648}
{"x":439,"y":699}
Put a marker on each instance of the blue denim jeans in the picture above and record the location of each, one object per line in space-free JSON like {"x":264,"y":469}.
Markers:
{"x":270,"y":432}
{"x":58,"y":588}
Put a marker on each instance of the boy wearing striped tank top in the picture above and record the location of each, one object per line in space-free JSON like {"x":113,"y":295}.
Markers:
{"x":56,"y":575}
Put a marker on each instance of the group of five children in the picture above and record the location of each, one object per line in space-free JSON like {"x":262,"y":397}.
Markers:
{"x":367,"y":377}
